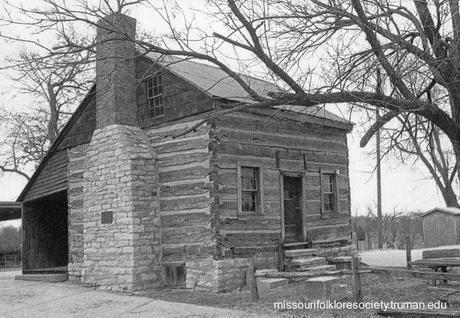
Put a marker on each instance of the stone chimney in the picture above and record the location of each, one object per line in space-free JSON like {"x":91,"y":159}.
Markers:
{"x":116,"y":71}
{"x":121,"y":235}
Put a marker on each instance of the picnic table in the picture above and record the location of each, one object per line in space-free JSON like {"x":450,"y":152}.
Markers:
{"x":438,"y":264}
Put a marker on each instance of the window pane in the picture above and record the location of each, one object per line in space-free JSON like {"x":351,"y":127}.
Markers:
{"x":249,"y":178}
{"x":328,"y":180}
{"x":329,"y":202}
{"x":180,"y":274}
{"x":249,"y":201}
{"x":154,"y":96}
{"x":329,"y":186}
{"x":249,"y":188}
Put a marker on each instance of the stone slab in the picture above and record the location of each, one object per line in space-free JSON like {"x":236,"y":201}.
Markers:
{"x":301,"y":252}
{"x":341,"y":262}
{"x":309,"y":261}
{"x":270,"y":283}
{"x":266,"y":270}
{"x":319,"y":268}
{"x":49,"y":278}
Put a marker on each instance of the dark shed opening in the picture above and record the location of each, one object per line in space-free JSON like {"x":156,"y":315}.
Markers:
{"x":45,"y":234}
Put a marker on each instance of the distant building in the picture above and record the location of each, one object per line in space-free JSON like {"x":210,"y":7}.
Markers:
{"x":441,"y":226}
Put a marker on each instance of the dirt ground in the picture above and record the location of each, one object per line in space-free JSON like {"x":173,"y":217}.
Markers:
{"x":39,"y":299}
{"x":375,"y":288}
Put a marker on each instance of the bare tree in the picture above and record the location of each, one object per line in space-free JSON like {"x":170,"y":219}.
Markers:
{"x":411,"y":226}
{"x":416,"y":139}
{"x":318,"y":52}
{"x":56,"y":84}
{"x":24,"y":143}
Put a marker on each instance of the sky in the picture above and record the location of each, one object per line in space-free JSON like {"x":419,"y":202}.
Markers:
{"x":403,"y":189}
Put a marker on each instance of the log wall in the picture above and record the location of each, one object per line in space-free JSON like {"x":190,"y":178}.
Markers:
{"x":185,"y":201}
{"x":276,"y":145}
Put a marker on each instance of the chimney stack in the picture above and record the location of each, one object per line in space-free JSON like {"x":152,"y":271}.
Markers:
{"x":116,"y":71}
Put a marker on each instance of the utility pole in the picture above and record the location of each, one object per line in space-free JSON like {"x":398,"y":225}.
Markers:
{"x":379,"y":173}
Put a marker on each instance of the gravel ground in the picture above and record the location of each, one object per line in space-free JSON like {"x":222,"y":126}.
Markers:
{"x":38,"y":299}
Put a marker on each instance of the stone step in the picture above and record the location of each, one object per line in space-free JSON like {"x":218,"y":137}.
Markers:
{"x":319,"y":268}
{"x":301,"y":252}
{"x":309,"y":261}
{"x":261,"y":272}
{"x":340,"y":262}
{"x":270,"y":283}
{"x":49,"y":278}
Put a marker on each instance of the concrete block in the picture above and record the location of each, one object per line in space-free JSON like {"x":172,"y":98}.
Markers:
{"x":270,"y":283}
{"x":49,"y":278}
{"x":325,"y":288}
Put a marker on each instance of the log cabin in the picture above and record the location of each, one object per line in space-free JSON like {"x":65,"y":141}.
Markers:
{"x":134,"y":194}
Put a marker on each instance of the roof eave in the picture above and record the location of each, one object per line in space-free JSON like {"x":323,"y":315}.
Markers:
{"x":53,"y":147}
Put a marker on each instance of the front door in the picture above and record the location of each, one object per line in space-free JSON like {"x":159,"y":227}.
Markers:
{"x":292,"y":209}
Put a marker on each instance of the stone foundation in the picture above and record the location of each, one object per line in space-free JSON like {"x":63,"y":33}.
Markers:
{"x":216,"y":275}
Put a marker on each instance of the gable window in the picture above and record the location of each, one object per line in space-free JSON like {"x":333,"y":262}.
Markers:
{"x":329,"y":193}
{"x":250,"y":189}
{"x":154,"y":91}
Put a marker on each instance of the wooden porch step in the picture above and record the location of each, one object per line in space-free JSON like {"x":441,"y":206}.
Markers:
{"x":319,"y":269}
{"x":299,"y":276}
{"x":295,"y":245}
{"x":308,"y":261}
{"x":301,"y":252}
{"x":47,"y":270}
{"x":49,"y":278}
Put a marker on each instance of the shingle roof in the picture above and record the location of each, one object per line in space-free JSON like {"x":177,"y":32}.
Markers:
{"x":217,"y":83}
{"x":453,"y":211}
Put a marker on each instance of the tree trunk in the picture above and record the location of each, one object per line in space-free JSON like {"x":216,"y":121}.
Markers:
{"x":53,"y":121}
{"x":450,"y":198}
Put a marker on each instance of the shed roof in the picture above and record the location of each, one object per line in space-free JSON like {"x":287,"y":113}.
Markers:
{"x":10,"y":210}
{"x":452,"y":211}
{"x":217,"y":83}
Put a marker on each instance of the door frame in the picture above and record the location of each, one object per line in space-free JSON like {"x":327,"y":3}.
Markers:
{"x":295,"y":174}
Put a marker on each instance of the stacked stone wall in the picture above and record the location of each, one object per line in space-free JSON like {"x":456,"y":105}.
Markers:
{"x":75,"y":170}
{"x":121,"y":179}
